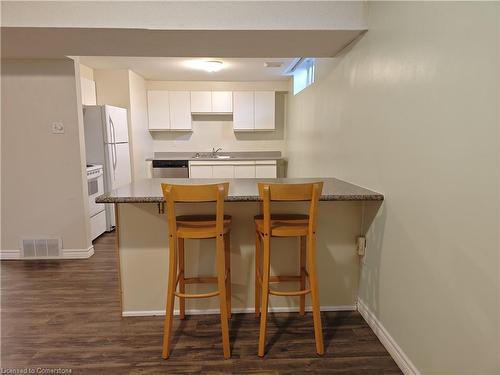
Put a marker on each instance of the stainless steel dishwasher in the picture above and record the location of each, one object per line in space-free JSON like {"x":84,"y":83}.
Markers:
{"x":171,"y":168}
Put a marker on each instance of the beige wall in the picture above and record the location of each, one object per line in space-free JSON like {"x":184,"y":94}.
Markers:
{"x":213,"y":131}
{"x":412,"y":111}
{"x":86,"y":72}
{"x":44,"y":189}
{"x":142,"y":140}
{"x":187,"y":15}
{"x":144,"y":242}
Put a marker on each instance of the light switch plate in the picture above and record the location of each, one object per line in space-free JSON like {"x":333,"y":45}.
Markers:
{"x":361,"y":245}
{"x":57,"y":128}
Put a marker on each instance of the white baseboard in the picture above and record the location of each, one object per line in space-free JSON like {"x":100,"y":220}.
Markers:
{"x":66,"y":254}
{"x":245,"y":310}
{"x":399,"y":356}
{"x":10,"y":254}
{"x":77,"y":253}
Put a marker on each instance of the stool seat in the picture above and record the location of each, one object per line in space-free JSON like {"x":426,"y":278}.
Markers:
{"x":284,"y":225}
{"x":200,"y":226}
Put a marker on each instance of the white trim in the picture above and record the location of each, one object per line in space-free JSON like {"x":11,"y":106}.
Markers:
{"x":66,"y":254}
{"x":10,"y":254}
{"x":77,"y":253}
{"x":244,"y":310}
{"x":399,"y":356}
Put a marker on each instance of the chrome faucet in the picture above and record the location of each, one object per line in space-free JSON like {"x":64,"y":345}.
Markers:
{"x":214,"y":151}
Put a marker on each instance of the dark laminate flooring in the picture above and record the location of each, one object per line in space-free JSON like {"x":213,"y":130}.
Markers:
{"x":65,"y":314}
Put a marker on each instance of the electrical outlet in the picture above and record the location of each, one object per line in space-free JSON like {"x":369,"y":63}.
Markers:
{"x":361,"y":245}
{"x":57,"y":128}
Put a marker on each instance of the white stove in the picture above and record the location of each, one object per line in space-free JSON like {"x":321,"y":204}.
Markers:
{"x":97,"y":213}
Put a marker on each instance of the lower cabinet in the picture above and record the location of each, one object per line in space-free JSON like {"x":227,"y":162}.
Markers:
{"x":265,"y":170}
{"x":200,"y":171}
{"x":222,"y":171}
{"x":233,"y":169}
{"x":246,"y":170}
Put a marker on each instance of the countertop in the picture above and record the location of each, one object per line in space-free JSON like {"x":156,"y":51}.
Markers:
{"x":235,"y":156}
{"x":240,"y":190}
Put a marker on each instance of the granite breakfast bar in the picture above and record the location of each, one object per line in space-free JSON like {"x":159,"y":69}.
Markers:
{"x":143,"y":245}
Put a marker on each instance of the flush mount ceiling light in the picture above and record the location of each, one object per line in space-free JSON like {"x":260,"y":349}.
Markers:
{"x":209,"y":66}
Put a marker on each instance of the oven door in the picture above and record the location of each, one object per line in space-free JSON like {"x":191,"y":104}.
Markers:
{"x":96,"y":188}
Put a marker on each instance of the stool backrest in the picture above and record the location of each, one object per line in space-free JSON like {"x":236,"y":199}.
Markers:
{"x":310,"y":192}
{"x":195,"y":194}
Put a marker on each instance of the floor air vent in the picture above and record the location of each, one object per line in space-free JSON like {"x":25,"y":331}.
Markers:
{"x":41,"y":248}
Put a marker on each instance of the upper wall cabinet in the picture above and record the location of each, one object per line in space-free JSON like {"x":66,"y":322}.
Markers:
{"x":211,"y":102}
{"x":264,"y":110}
{"x":253,"y":110}
{"x":180,"y":110}
{"x":201,"y":101}
{"x":158,"y":110}
{"x":222,"y":101}
{"x":243,"y":111}
{"x":169,"y":110}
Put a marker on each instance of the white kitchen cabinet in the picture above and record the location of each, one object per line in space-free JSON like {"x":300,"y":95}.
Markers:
{"x":88,"y":91}
{"x":158,"y":110}
{"x":201,"y":101}
{"x":222,"y":101}
{"x":243,"y":111}
{"x":254,"y":110}
{"x":222,"y":171}
{"x":266,"y":169}
{"x":264,"y":110}
{"x":233,"y":169}
{"x":244,"y":169}
{"x":200,"y":171}
{"x":211,"y":101}
{"x":180,"y":110}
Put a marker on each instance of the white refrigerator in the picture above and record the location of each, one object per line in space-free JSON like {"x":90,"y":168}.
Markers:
{"x":106,"y":143}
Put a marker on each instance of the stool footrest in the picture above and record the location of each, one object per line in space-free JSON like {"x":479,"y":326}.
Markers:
{"x":279,"y":279}
{"x":287,"y":294}
{"x":202,"y":280}
{"x":202,"y":295}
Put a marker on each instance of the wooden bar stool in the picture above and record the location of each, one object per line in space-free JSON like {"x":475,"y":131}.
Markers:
{"x":287,"y":225}
{"x":216,"y":226}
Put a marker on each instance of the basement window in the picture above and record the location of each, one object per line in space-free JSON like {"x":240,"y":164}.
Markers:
{"x":303,"y":74}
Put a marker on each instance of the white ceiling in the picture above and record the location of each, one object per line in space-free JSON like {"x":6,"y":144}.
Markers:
{"x":177,"y":69}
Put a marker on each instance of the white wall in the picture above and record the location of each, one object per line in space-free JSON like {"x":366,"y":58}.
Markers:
{"x":412,"y":111}
{"x":44,"y":186}
{"x":217,"y":131}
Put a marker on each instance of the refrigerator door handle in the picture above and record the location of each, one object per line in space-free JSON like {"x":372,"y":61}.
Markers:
{"x":112,"y":130}
{"x":114,"y":153}
{"x":115,"y":160}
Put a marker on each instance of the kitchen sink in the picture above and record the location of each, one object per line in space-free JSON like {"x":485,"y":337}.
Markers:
{"x":210,"y":155}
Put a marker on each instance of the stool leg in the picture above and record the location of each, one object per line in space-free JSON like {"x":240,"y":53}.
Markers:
{"x":221,"y":269}
{"x":182,"y":285}
{"x":313,"y":280}
{"x":265,"y":295}
{"x":257,"y":268}
{"x":227,"y":253}
{"x":169,"y":313}
{"x":302,"y":274}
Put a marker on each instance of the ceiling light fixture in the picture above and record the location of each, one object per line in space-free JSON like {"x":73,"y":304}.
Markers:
{"x":209,"y":66}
